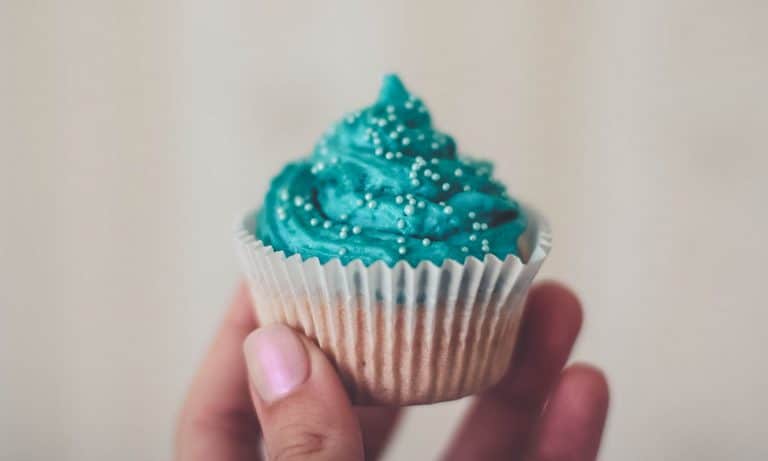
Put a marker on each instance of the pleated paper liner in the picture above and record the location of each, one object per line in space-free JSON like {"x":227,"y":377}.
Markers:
{"x":400,"y":335}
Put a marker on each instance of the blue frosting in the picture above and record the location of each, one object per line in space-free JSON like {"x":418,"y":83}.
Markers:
{"x":383,"y":185}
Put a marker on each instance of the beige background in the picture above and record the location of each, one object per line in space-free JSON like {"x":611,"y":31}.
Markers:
{"x":132,"y":131}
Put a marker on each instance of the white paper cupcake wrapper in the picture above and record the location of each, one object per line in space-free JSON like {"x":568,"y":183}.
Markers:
{"x":399,"y":335}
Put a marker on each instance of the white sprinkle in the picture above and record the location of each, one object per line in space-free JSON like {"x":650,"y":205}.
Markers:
{"x":436,"y":177}
{"x":401,"y":240}
{"x":420,"y":137}
{"x":359,"y":202}
{"x":326,"y":224}
{"x":420,"y":159}
{"x":342,"y":251}
{"x":368,"y":196}
{"x":314,"y":222}
{"x":399,"y":199}
{"x":472,"y":237}
{"x":435,"y":161}
{"x":484,"y":226}
{"x":394,"y":135}
{"x":343,"y":234}
{"x":467,"y":188}
{"x":458,"y":172}
{"x":408,"y":105}
{"x":421,"y":204}
{"x":435,"y":145}
{"x":320,"y":166}
{"x":298,"y":201}
{"x":426,"y":242}
{"x":485,"y":241}
{"x":376,"y":141}
{"x":379,"y":151}
{"x":389,"y":156}
{"x":372,"y":204}
{"x":415,"y":182}
{"x":485,"y":249}
{"x":446,"y":186}
{"x":412,"y":201}
{"x":464,"y":249}
{"x":382,"y":122}
{"x":390,"y":108}
{"x":409,"y":196}
{"x":356,"y":230}
{"x":406,"y":141}
{"x":408,"y":210}
{"x":398,"y":155}
{"x":400,"y":224}
{"x":427,"y":172}
{"x":343,"y":216}
{"x":400,"y":128}
{"x":413,"y":175}
{"x":476,"y":225}
{"x":308,"y":207}
{"x":391,"y":117}
{"x":284,"y":194}
{"x":448,"y":209}
{"x":471,"y":215}
{"x":401,"y":250}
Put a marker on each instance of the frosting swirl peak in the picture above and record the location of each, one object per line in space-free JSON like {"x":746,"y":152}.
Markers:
{"x":383,"y":184}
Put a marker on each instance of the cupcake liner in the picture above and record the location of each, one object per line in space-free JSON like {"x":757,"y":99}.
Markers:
{"x":399,"y":335}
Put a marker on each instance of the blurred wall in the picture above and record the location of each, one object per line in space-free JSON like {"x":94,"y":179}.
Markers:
{"x":131,"y":133}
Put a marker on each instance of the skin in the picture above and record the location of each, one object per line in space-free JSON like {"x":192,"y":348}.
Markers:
{"x":224,"y":419}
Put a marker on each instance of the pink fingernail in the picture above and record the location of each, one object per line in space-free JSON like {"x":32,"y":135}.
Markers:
{"x":277,"y":361}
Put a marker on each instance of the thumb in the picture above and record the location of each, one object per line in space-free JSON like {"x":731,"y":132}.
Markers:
{"x":302,"y":407}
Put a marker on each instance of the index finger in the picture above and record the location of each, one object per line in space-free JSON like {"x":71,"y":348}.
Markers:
{"x":500,"y":422}
{"x":217,"y":420}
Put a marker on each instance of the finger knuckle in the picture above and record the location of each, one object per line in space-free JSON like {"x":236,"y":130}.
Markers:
{"x":299,"y":441}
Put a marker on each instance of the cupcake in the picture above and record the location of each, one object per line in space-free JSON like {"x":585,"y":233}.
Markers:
{"x":405,"y":262}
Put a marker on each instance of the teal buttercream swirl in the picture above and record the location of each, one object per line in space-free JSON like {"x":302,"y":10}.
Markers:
{"x":383,"y":185}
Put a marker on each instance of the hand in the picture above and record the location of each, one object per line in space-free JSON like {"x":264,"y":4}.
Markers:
{"x":287,"y":393}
